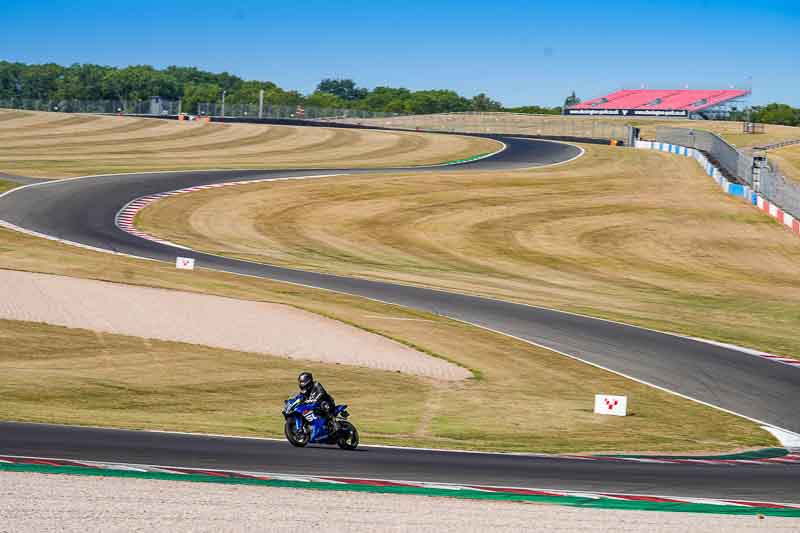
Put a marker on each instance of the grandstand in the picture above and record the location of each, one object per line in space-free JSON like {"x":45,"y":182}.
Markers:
{"x":682,"y":103}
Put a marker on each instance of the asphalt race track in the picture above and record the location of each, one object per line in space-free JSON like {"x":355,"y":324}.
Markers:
{"x":746,"y":482}
{"x":83,"y":211}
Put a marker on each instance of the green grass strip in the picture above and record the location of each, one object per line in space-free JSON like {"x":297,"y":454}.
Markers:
{"x":572,"y":501}
{"x":766,"y":453}
{"x":467,"y":159}
{"x":7,"y":185}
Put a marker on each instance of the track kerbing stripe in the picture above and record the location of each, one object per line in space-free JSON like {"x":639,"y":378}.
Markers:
{"x":124,"y":219}
{"x":540,"y":495}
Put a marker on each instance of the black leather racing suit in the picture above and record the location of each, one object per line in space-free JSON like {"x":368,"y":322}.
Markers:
{"x":317,"y":394}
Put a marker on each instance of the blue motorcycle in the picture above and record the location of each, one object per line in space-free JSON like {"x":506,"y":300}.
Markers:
{"x":303,"y":425}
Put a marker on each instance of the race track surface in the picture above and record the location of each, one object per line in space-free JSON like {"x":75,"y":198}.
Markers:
{"x":84,"y":210}
{"x":746,"y":482}
{"x":20,"y":179}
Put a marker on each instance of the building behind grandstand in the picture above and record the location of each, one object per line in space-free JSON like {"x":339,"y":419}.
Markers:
{"x":680,"y":103}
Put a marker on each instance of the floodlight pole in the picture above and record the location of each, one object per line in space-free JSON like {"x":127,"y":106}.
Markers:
{"x":223,"y":102}
{"x":261,"y":104}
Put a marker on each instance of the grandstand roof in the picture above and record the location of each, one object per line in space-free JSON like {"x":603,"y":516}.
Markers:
{"x":672,"y":99}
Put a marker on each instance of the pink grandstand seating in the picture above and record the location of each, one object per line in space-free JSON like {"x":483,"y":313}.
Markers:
{"x":690,"y":100}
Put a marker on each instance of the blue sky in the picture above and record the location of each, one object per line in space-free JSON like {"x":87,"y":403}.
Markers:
{"x":518,"y":52}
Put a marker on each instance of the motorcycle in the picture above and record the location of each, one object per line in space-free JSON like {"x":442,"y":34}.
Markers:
{"x":304,"y":426}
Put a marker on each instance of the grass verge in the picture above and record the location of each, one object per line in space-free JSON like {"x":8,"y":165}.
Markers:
{"x":7,"y":186}
{"x":127,"y":382}
{"x":636,"y":236}
{"x":788,"y":160}
{"x":728,"y":130}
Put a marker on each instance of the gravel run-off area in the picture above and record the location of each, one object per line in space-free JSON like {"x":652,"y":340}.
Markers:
{"x":214,"y":321}
{"x":46,"y":502}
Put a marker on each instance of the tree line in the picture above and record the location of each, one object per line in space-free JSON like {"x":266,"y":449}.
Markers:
{"x":775,"y":113}
{"x":193,"y":86}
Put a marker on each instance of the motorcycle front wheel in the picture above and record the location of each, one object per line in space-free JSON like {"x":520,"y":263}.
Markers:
{"x":296,"y":437}
{"x":348,"y":441}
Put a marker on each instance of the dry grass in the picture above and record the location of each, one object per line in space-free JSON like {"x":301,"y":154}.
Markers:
{"x":115,"y":380}
{"x":126,"y":382}
{"x":621,"y":234}
{"x":58,"y":145}
{"x":788,"y":159}
{"x":730,"y":131}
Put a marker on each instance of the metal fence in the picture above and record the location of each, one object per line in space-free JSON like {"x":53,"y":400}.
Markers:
{"x":300,"y":112}
{"x":739,"y":164}
{"x":781,"y":144}
{"x":154,"y":106}
{"x":508,"y":123}
{"x":467,"y":122}
{"x":782,"y":191}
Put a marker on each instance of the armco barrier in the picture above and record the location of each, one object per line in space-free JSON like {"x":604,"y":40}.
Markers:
{"x":734,"y":189}
{"x":739,"y":164}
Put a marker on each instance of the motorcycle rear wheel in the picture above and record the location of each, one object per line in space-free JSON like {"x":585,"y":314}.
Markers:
{"x":349,"y":441}
{"x":298,"y":439}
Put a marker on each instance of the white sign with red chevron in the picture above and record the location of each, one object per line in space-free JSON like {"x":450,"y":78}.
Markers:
{"x":605,"y":404}
{"x":184,"y":263}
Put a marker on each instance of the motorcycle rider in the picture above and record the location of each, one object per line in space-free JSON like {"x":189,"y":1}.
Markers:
{"x":314,"y":392}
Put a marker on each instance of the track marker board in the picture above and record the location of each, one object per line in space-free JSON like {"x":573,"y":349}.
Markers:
{"x":605,"y":404}
{"x":184,"y":263}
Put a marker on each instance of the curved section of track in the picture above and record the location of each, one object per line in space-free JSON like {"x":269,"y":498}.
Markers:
{"x":83,"y":211}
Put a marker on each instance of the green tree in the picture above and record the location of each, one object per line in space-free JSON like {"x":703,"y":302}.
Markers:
{"x":139,"y":82}
{"x":342,"y":88}
{"x":184,"y":75}
{"x":82,"y":82}
{"x":323,"y":99}
{"x":11,"y":79}
{"x":197,"y":93}
{"x":389,"y":99}
{"x":436,"y":101}
{"x":281,"y":97}
{"x":247,"y":92}
{"x":481,"y":102}
{"x":777,"y":114}
{"x":40,"y":81}
{"x":535,"y":110}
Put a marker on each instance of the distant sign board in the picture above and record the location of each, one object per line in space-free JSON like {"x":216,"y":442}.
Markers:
{"x":184,"y":263}
{"x":605,"y":404}
{"x":628,"y":112}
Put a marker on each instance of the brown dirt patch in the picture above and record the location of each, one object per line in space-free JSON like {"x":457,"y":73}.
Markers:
{"x":227,"y":323}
